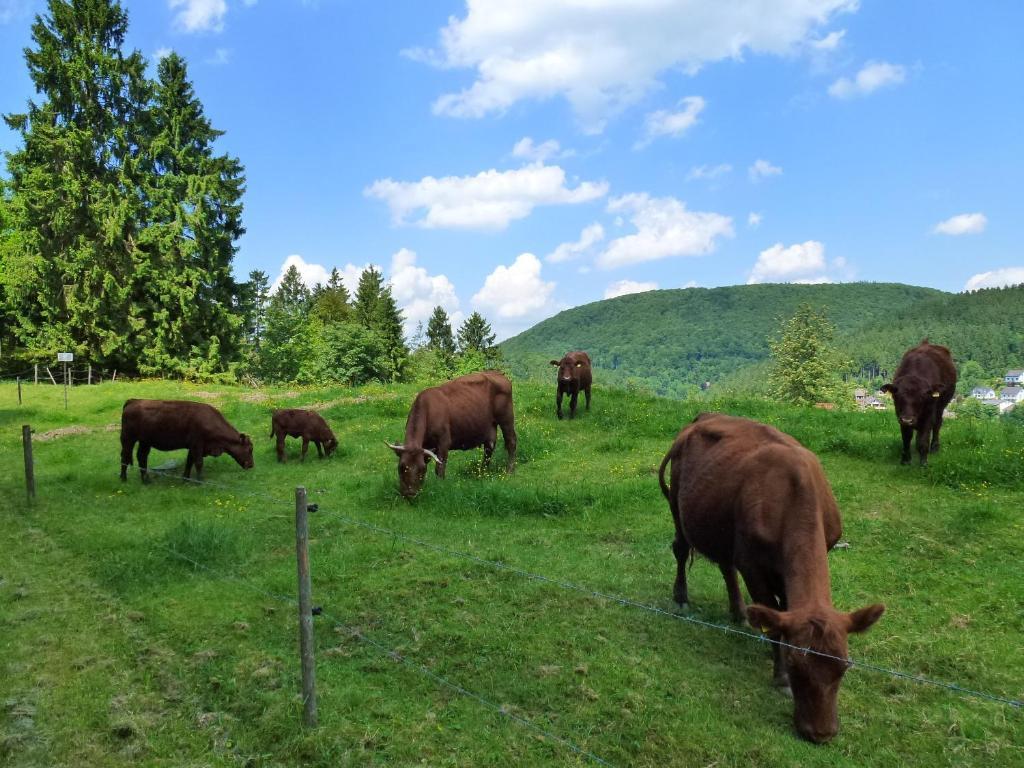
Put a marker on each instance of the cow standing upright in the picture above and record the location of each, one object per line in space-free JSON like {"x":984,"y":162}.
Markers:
{"x":309,"y":425}
{"x":458,"y":415}
{"x":752,"y":499}
{"x":574,"y":376}
{"x":924,"y":384}
{"x":170,"y":425}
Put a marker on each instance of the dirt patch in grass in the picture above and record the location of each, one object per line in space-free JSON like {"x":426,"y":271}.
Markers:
{"x":54,"y":434}
{"x":206,"y":395}
{"x":255,"y":397}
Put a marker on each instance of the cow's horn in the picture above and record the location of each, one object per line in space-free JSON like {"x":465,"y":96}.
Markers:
{"x":394,"y":447}
{"x":432,"y":455}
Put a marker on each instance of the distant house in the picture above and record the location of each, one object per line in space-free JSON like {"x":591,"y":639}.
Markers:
{"x":1002,"y":405}
{"x":875,"y":403}
{"x":1015,"y":376}
{"x":860,"y":395}
{"x":983,"y":393}
{"x":1012,"y":394}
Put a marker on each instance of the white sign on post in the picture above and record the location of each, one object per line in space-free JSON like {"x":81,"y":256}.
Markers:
{"x":65,"y":357}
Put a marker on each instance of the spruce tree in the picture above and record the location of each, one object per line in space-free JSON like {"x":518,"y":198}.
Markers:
{"x":439,"y":333}
{"x":388,"y":322}
{"x":806,"y":367}
{"x":331,"y":304}
{"x":194,"y":212}
{"x":475,"y":335}
{"x":75,"y":179}
{"x":286,"y":340}
{"x":368,"y":292}
{"x":255,"y":300}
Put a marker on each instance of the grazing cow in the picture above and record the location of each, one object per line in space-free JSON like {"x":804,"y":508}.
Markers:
{"x":752,"y":499}
{"x":923,"y":385}
{"x":574,"y":376}
{"x":458,"y":415}
{"x":169,"y":425}
{"x":310,"y":426}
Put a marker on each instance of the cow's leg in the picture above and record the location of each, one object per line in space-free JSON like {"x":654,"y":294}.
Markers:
{"x":736,"y":607}
{"x":127,"y":444}
{"x":587,"y":393}
{"x":442,"y":453}
{"x":143,"y":455}
{"x":935,"y":430}
{"x":508,"y":434}
{"x":761,"y":592}
{"x":573,"y":398}
{"x":490,"y":441}
{"x":923,"y":438}
{"x":681,"y":549}
{"x":305,"y":447}
{"x":189,"y":459}
{"x":319,"y":450}
{"x":282,"y":456}
{"x":199,"y":464}
{"x":558,"y":403}
{"x":907,"y":432}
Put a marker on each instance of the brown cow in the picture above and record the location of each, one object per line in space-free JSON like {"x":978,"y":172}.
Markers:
{"x":169,"y":425}
{"x":309,"y":425}
{"x":923,"y":385}
{"x":574,"y":376}
{"x":751,"y":498}
{"x":460,"y":414}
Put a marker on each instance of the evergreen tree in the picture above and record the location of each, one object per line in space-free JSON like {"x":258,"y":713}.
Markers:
{"x":368,"y":292}
{"x":194,"y":220}
{"x":75,"y":180}
{"x":255,"y":300}
{"x":331,"y":304}
{"x":805,"y":367}
{"x":439,"y":332}
{"x":388,"y":322}
{"x":475,"y":335}
{"x":289,"y":335}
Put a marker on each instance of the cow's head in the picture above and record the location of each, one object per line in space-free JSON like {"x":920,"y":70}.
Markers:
{"x":815,"y":679}
{"x":912,"y":396}
{"x":331,"y":444}
{"x":241,"y":451}
{"x":412,"y":468}
{"x":568,"y":368}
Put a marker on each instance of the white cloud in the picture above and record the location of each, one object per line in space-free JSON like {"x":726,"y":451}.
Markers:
{"x":996,"y":278}
{"x":762,"y":169}
{"x":754,"y":219}
{"x":199,"y":15}
{"x":589,"y":237}
{"x":490,"y":200}
{"x":690,"y":284}
{"x":963,"y":224}
{"x":220,"y":56}
{"x":871,"y":77}
{"x":162,"y":53}
{"x":602,"y":56}
{"x":417,"y":293}
{"x":526,"y":149}
{"x":516,"y":291}
{"x":664,"y":228}
{"x":675,"y":124}
{"x":829,"y":42}
{"x":311,"y":274}
{"x":708,"y":172}
{"x":624,"y":287}
{"x":797,"y":263}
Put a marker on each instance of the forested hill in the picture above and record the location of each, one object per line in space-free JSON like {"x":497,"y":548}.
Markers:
{"x":673,"y":340}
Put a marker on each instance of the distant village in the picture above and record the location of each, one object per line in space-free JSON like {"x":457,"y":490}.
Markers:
{"x":1005,"y":400}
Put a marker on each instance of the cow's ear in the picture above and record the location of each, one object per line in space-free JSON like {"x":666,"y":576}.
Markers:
{"x":554,"y":362}
{"x":767,"y":619}
{"x":243,"y":438}
{"x":887,"y":388}
{"x":862,"y":620}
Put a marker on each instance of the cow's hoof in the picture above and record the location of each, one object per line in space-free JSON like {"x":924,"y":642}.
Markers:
{"x":934,"y":449}
{"x":782,"y":683}
{"x":905,"y":460}
{"x":786,"y":691}
{"x":682,"y":606}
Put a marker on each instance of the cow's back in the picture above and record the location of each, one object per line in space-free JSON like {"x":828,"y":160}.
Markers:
{"x":742,"y":483}
{"x":172,"y":424}
{"x":932,"y":362}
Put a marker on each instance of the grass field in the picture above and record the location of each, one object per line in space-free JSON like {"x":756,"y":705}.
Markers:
{"x":114,"y":651}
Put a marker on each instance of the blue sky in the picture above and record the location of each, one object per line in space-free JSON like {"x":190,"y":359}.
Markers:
{"x":521,"y":158}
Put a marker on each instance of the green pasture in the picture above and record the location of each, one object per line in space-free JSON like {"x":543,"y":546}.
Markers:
{"x":115,"y":651}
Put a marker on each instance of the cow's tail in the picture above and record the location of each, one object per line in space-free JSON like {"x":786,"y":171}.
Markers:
{"x":661,"y":476}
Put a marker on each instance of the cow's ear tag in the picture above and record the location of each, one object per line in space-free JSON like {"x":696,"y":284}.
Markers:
{"x":935,"y":394}
{"x":764,"y":630}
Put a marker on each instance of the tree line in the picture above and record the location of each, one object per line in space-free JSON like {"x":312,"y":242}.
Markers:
{"x":119,"y":223}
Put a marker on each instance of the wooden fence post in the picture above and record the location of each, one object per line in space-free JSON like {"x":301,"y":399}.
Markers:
{"x":30,"y":471}
{"x":37,"y":373}
{"x":19,"y":390}
{"x":90,"y":374}
{"x":309,"y":716}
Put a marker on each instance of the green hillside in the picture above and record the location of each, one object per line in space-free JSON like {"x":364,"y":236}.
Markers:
{"x":673,"y":340}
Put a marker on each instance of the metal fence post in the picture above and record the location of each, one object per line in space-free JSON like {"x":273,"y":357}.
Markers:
{"x":309,"y":715}
{"x":30,"y":471}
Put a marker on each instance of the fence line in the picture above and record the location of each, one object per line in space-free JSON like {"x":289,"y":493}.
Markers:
{"x":624,"y":601}
{"x":399,"y":658}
